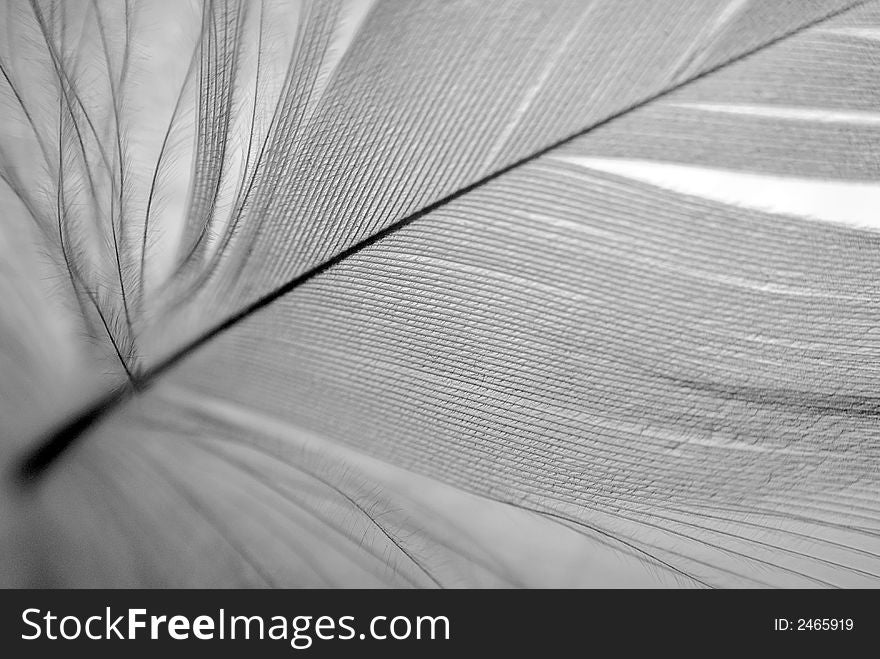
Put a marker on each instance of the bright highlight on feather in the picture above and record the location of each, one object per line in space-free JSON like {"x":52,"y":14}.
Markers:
{"x":849,"y":203}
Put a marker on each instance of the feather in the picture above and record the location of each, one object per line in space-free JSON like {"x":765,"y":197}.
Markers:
{"x":468,"y":293}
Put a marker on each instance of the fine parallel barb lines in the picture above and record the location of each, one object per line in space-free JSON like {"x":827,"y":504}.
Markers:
{"x":440,"y":294}
{"x":55,"y":443}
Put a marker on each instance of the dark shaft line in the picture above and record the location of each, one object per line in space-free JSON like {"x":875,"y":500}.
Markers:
{"x":36,"y":463}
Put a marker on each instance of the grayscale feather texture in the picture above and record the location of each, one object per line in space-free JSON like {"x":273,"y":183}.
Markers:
{"x":386,"y":293}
